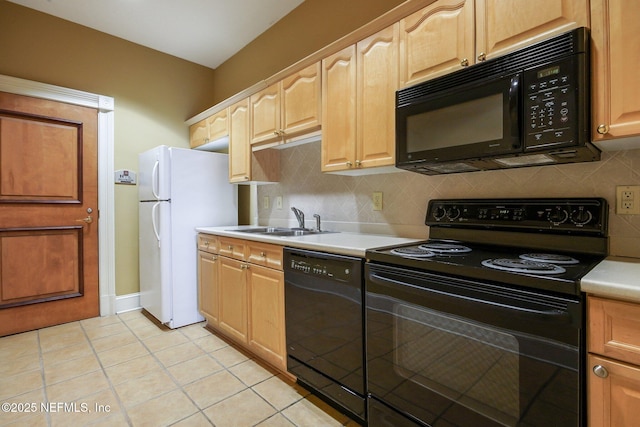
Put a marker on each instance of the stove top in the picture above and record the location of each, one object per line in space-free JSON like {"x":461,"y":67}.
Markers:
{"x":545,"y":244}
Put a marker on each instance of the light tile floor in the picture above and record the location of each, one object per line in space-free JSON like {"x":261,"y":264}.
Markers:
{"x":124,"y":370}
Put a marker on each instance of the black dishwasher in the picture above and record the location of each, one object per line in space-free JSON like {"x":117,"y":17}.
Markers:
{"x":324,"y":327}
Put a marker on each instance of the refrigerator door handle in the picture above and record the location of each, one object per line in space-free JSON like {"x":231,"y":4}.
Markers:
{"x":155,"y":180}
{"x":154,"y":223}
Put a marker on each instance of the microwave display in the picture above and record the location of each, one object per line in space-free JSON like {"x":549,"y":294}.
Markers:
{"x":478,"y":120}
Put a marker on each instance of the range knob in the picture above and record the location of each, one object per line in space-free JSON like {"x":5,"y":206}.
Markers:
{"x":453,"y":212}
{"x":439,"y":212}
{"x":581,"y":216}
{"x":558,"y":215}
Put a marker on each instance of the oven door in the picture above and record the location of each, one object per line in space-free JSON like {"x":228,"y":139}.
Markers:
{"x":447,"y":351}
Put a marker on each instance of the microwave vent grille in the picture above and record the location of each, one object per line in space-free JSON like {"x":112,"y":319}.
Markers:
{"x":570,"y":43}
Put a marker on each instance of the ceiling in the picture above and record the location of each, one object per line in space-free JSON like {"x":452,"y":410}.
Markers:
{"x":207,"y":32}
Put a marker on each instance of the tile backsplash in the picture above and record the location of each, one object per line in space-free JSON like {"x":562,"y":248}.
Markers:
{"x":345,"y":202}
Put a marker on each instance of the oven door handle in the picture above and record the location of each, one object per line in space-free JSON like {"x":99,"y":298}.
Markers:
{"x":555,"y":315}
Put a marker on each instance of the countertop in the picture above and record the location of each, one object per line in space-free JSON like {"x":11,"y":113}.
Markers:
{"x":343,"y":243}
{"x":615,"y":277}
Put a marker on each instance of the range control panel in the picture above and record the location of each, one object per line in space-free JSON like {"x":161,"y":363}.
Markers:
{"x":584,"y":215}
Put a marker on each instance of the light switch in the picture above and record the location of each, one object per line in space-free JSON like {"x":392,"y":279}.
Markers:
{"x":377,"y":200}
{"x":265,"y":202}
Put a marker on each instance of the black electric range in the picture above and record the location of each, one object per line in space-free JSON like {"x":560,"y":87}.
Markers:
{"x":484,"y":323}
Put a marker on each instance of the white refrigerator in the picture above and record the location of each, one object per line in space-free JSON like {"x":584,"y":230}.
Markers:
{"x":178,"y":190}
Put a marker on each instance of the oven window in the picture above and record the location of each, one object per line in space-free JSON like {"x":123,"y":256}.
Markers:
{"x":471,"y":364}
{"x":478,"y":120}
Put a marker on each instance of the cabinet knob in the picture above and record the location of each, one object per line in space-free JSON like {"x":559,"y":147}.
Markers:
{"x":263,"y":255}
{"x":600,"y":371}
{"x":230,"y":247}
{"x":276,"y":133}
{"x":482,"y":57}
{"x":349,"y":164}
{"x":358,"y":163}
{"x":244,"y":266}
{"x":464,"y":62}
{"x":602,"y":129}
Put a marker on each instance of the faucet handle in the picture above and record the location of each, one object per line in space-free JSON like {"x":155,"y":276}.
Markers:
{"x":317,"y":217}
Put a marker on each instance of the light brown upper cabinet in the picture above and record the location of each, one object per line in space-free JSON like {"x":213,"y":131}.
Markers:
{"x":210,"y":129}
{"x":615,"y":49}
{"x":450,"y":34}
{"x":288,"y":108}
{"x":239,"y":148}
{"x":244,"y":165}
{"x":358,"y":104}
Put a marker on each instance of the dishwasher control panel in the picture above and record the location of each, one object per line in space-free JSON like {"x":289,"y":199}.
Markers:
{"x":329,"y":266}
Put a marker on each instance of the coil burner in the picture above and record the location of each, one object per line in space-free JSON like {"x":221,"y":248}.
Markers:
{"x":517,"y":265}
{"x":413,"y":252}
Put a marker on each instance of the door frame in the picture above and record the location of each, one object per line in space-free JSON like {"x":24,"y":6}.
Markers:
{"x":106,"y":220}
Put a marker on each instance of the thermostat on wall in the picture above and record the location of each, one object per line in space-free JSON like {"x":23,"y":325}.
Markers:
{"x":125,"y":176}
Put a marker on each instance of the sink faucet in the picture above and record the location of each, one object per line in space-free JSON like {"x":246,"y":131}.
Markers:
{"x":317,"y":217}
{"x":299,"y":216}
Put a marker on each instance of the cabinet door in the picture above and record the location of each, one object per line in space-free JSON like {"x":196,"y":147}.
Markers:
{"x":615,"y":49}
{"x":218,"y":125}
{"x":198,"y":134}
{"x":301,"y":101}
{"x":377,"y":82}
{"x":266,"y":319}
{"x":436,"y":40}
{"x":208,"y":287}
{"x":265,"y":115}
{"x":339,"y":110}
{"x":233,"y":298}
{"x":239,"y":148}
{"x":613,"y":401}
{"x":503,"y":26}
{"x":614,"y":329}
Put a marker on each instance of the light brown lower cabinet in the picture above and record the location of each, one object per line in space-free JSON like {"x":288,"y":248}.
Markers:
{"x":613,"y":377}
{"x":241,"y":289}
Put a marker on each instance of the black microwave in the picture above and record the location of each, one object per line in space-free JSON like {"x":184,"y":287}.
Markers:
{"x":527,"y":108}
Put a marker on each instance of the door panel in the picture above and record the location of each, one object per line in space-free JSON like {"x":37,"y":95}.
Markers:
{"x":48,"y":213}
{"x":50,"y":170}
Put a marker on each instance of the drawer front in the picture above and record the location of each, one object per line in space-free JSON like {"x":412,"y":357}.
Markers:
{"x":208,"y":243}
{"x":614,"y":329}
{"x":232,"y":248}
{"x":266,"y":255}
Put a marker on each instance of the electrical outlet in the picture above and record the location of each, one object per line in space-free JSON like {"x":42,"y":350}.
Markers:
{"x":278,"y":202}
{"x":377,"y":200}
{"x":628,"y":199}
{"x":265,"y":202}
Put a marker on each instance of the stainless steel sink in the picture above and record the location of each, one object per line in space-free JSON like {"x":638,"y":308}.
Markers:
{"x":281,"y":231}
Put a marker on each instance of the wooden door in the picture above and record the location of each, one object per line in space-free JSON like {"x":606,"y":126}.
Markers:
{"x":615,"y":54}
{"x":48,"y":213}
{"x":339,"y":110}
{"x":377,"y":77}
{"x":266,"y":324}
{"x":504,"y":26}
{"x":239,"y":148}
{"x":436,"y":40}
{"x":232,"y":288}
{"x":208,"y":300}
{"x":301,"y":101}
{"x":265,"y":115}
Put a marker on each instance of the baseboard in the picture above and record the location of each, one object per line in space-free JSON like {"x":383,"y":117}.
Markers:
{"x":128,"y":302}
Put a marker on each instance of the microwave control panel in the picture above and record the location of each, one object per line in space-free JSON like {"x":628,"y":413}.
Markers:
{"x":550,"y":105}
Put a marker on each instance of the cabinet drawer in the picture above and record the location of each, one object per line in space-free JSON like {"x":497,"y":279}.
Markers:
{"x":208,"y":243}
{"x":233,"y":248}
{"x":614,"y":329}
{"x":266,"y":255}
